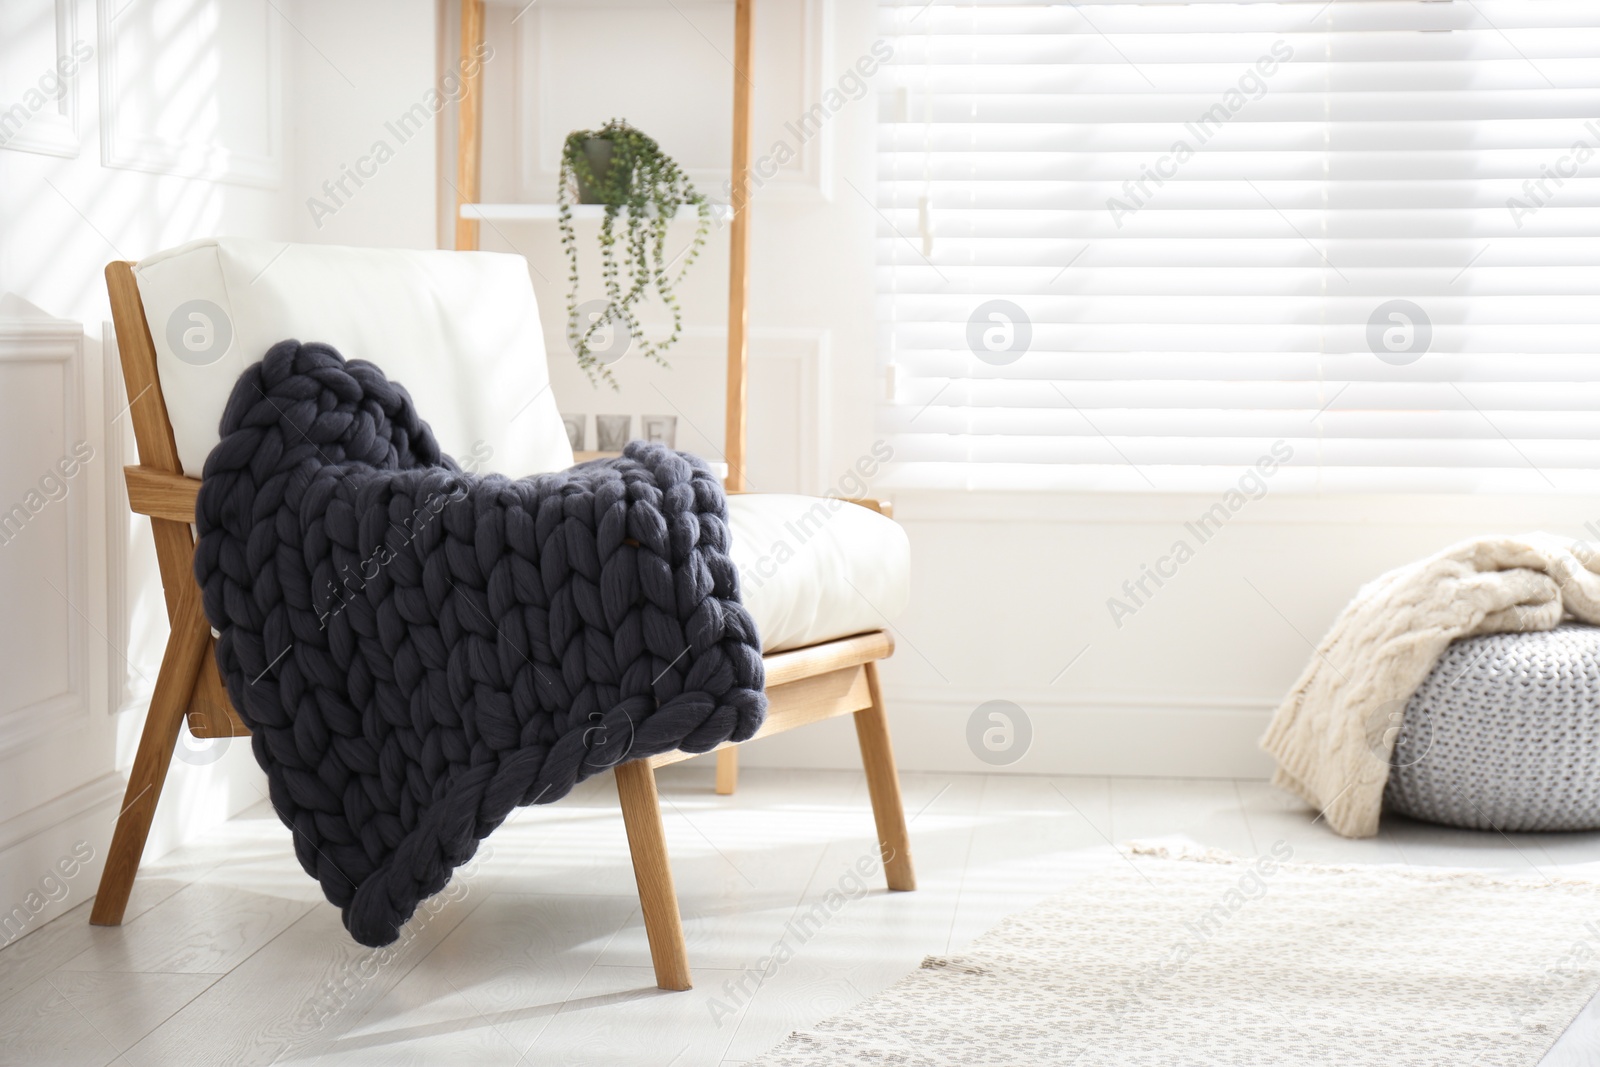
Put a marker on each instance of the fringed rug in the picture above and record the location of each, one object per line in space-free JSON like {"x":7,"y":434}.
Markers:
{"x":1211,"y":959}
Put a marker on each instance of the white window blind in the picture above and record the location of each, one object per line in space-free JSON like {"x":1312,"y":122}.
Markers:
{"x":1364,"y":233}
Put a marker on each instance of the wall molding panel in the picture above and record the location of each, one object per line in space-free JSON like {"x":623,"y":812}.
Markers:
{"x":808,"y":351}
{"x":37,"y":352}
{"x":53,"y":129}
{"x":92,"y":796}
{"x":128,"y":690}
{"x":252,"y":98}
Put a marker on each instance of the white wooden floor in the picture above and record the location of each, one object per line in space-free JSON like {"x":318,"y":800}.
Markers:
{"x":229,"y":956}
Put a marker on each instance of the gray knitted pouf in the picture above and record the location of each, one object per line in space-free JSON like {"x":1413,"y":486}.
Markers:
{"x":1504,"y":734}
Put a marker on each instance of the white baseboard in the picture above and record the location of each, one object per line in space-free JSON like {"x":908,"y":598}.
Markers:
{"x":40,"y":845}
{"x":1082,"y":735}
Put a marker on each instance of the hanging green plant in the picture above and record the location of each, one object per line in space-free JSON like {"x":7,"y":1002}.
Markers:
{"x":626,"y":171}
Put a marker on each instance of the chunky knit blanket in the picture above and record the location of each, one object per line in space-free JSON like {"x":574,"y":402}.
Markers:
{"x":418,"y":650}
{"x":1334,"y":734}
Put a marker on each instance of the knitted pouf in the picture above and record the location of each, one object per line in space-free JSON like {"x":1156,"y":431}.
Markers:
{"x":1504,"y":734}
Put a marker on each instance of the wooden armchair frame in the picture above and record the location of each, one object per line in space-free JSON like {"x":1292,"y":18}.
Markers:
{"x":803,"y":686}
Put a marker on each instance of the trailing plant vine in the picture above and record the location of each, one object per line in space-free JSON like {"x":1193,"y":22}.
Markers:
{"x":643,"y":187}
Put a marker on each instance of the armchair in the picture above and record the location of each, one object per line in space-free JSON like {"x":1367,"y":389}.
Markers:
{"x":461,"y":331}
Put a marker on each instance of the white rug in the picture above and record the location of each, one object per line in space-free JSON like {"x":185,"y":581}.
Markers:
{"x":1216,"y":960}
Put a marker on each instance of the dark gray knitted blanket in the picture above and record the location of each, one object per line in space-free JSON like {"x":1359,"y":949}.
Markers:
{"x":419,"y":650}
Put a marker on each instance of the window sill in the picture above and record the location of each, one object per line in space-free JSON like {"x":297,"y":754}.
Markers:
{"x":1560,"y":513}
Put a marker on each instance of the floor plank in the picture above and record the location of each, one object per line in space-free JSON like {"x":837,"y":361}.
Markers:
{"x":122,"y":1011}
{"x":1031,"y":835}
{"x":503,"y":973}
{"x":849,"y":936}
{"x":1197,"y":811}
{"x":26,"y":961}
{"x":40,"y":1027}
{"x":201,"y":929}
{"x":299,"y":991}
{"x":616,"y":1016}
{"x":1274,"y":815}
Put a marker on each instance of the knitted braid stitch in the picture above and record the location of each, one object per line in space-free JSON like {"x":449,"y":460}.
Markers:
{"x":418,"y":650}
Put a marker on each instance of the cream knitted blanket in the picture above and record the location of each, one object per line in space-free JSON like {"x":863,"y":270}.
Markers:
{"x":1333,"y":736}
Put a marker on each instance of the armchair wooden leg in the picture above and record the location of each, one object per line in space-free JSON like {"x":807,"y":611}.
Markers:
{"x":727,"y":771}
{"x":180,"y":666}
{"x":883,"y":783}
{"x":647,"y":841}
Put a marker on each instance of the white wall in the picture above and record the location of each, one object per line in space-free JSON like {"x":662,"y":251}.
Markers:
{"x":372,"y":62}
{"x":151,"y":148}
{"x":181,"y":119}
{"x":1008,"y":588}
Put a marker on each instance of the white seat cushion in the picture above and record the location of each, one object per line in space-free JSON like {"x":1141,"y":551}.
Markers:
{"x":460,"y":330}
{"x":816,"y":568}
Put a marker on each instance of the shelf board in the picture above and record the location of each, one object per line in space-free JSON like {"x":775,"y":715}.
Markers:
{"x":537,"y":212}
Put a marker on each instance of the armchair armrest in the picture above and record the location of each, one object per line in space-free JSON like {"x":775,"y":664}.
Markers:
{"x":882,"y":507}
{"x":161,"y":494}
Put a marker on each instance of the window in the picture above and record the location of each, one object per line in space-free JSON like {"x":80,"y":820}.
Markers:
{"x":1143,"y":245}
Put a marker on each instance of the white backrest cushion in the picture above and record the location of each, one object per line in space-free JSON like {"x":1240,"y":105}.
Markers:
{"x":460,"y":330}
